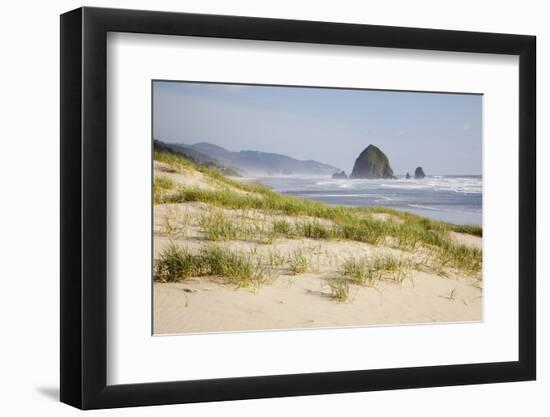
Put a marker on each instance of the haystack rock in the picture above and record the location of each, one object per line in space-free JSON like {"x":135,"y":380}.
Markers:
{"x":340,"y":175}
{"x":419,"y":173}
{"x":372,"y":163}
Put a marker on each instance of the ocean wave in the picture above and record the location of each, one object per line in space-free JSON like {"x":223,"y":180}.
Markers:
{"x":321,"y":195}
{"x":454,"y":199}
{"x":436,"y":183}
{"x":446,"y":209}
{"x":468,"y":185}
{"x":420,"y":206}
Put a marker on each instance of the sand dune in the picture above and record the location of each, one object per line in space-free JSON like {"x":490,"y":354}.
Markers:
{"x":287,"y":300}
{"x":304,"y":300}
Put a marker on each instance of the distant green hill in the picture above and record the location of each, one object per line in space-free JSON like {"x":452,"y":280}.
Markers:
{"x":196,"y":157}
{"x":262,"y":163}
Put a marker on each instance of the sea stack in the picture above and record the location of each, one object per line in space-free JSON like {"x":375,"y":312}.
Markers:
{"x":340,"y":175}
{"x":372,"y":163}
{"x":419,"y":173}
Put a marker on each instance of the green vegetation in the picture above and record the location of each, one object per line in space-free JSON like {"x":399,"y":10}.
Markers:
{"x":348,"y":223}
{"x":286,"y":204}
{"x":313,"y":230}
{"x":177,"y":263}
{"x":365,"y":229}
{"x":175,"y":223}
{"x":179,"y":164}
{"x":281,"y":227}
{"x":390,"y":267}
{"x":401,"y":230}
{"x":160,"y":186}
{"x":234,"y":267}
{"x":359,"y":272}
{"x":460,"y":257}
{"x":298,"y":261}
{"x":468,"y":229}
{"x":217,"y":226}
{"x":275,"y":259}
{"x":164,"y":183}
{"x":339,"y":289}
{"x":175,"y":162}
{"x":367,"y":272}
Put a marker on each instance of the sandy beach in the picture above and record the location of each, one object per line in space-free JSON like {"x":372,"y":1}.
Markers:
{"x":317,"y":294}
{"x":200,"y":305}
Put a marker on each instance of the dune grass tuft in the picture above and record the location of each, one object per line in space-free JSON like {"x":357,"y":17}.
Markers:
{"x":177,"y":263}
{"x":234,"y":267}
{"x":281,"y":227}
{"x":161,"y":185}
{"x":366,"y":271}
{"x":339,"y":289}
{"x":275,"y":259}
{"x":175,"y":223}
{"x":468,"y":229}
{"x":460,"y":257}
{"x":298,"y":261}
{"x":359,"y":272}
{"x":313,"y":230}
{"x":218,"y":226}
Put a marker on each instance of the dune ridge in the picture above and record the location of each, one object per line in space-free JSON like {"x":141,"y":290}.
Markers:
{"x":234,"y":256}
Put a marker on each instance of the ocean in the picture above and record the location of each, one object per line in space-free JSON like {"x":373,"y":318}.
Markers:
{"x":451,"y":198}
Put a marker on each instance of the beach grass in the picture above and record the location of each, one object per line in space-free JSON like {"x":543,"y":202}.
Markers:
{"x":315,"y":220}
{"x":218,"y":226}
{"x":313,"y":229}
{"x":408,"y":234}
{"x":339,"y":289}
{"x":468,"y":229}
{"x":234,"y":267}
{"x":359,"y":272}
{"x":351,"y":223}
{"x":459,"y":257}
{"x":175,"y":223}
{"x":275,"y":258}
{"x":160,"y":186}
{"x":366,"y":271}
{"x":176,"y":263}
{"x":298,"y":262}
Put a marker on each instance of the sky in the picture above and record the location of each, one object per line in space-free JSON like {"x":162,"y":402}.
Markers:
{"x":439,"y":132}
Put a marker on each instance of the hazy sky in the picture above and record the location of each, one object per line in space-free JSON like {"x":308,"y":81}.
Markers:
{"x":440,"y":132}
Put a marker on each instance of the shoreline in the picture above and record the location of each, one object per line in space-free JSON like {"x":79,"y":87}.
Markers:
{"x":431,"y":200}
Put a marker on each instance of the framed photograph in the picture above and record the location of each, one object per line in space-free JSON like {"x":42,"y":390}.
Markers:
{"x":259,"y":208}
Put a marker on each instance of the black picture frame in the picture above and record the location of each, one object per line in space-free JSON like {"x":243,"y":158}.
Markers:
{"x":84,"y":207}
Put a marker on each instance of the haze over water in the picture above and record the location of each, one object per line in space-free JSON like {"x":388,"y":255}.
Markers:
{"x":453,"y":198}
